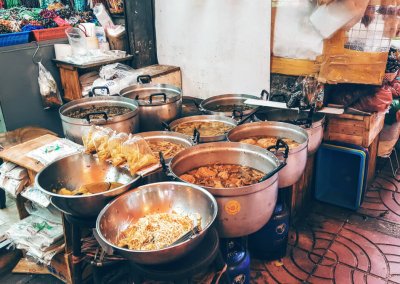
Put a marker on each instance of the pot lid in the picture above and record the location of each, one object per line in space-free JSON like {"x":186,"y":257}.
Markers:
{"x":153,"y":94}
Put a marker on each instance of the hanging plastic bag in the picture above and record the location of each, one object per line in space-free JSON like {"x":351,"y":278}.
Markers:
{"x":48,"y":88}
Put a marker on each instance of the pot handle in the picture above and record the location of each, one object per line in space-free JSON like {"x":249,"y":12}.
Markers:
{"x":196,"y":136}
{"x":264,"y":92}
{"x":280,"y":144}
{"x":164,"y":95}
{"x":237,"y":112}
{"x":165,"y":125}
{"x":143,"y":79}
{"x":93,"y":92}
{"x":270,"y":174}
{"x":97,"y":113}
{"x":253,"y":112}
{"x":107,"y":248}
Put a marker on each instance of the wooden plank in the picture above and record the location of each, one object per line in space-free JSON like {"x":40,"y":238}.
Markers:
{"x":27,"y":266}
{"x":21,"y":135}
{"x":373,"y":153}
{"x":139,"y":22}
{"x":17,"y":154}
{"x":343,"y":138}
{"x":70,"y":84}
{"x":293,"y":67}
{"x":163,"y":74}
{"x":352,"y":129}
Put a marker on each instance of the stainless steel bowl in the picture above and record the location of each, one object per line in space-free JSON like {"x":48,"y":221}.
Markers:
{"x":76,"y":170}
{"x":297,"y":159}
{"x":206,"y":118}
{"x":155,"y":198}
{"x":315,"y":131}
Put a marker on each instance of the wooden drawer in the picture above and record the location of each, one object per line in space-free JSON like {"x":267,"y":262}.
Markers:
{"x":354,"y":129}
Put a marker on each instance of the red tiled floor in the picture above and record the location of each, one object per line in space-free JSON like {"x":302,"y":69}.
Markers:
{"x":334,"y":245}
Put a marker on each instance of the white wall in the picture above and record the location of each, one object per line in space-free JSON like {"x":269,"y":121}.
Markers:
{"x":222,"y":46}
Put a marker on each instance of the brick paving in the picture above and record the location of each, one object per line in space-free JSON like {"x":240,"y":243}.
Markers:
{"x":334,"y":245}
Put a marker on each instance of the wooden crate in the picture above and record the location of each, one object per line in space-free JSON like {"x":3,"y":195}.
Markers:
{"x":354,"y":129}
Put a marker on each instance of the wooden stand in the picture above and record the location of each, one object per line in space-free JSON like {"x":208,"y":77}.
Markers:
{"x":70,"y":72}
{"x":72,"y":88}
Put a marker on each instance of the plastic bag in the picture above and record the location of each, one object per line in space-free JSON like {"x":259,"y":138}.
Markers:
{"x":115,"y":71}
{"x":138,"y":154}
{"x":48,"y":89}
{"x":115,"y":148}
{"x":378,"y":102}
{"x":96,"y":140}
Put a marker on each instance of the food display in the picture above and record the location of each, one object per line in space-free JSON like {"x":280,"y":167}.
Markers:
{"x":88,"y":189}
{"x":229,"y":107}
{"x":155,"y":231}
{"x":134,"y":151}
{"x":96,"y":140}
{"x":223,"y":176}
{"x":114,"y":146}
{"x":169,"y":149}
{"x":205,"y":128}
{"x":265,"y":141}
{"x":111,"y":111}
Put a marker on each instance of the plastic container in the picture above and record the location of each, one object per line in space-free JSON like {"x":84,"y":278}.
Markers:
{"x":270,"y":242}
{"x":14,"y":38}
{"x":77,"y":40}
{"x":237,"y":259}
{"x":50,"y":34}
{"x":345,"y":185}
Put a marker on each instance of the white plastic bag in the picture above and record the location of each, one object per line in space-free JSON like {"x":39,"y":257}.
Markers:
{"x":48,"y":88}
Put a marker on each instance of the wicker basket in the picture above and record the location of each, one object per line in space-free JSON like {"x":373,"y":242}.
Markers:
{"x":49,"y":34}
{"x":14,"y":38}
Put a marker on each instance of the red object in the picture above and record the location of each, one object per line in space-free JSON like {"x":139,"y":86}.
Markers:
{"x":60,"y":22}
{"x":378,"y":102}
{"x":49,"y":34}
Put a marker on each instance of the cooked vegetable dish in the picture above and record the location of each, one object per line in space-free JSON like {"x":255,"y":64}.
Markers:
{"x":229,"y":108}
{"x":169,"y":149}
{"x":155,"y":231}
{"x":223,"y":176}
{"x":88,"y":189}
{"x":111,"y":111}
{"x":265,"y":141}
{"x":206,"y":128}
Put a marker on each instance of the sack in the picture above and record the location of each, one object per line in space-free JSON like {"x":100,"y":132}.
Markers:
{"x":48,"y":89}
{"x":378,"y":102}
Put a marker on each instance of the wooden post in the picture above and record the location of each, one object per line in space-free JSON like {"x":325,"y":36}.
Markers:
{"x":139,"y":22}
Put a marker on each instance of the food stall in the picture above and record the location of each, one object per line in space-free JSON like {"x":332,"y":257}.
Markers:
{"x":180,"y":145}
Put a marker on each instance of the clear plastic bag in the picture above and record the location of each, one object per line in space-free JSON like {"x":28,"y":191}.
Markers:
{"x":138,"y":154}
{"x":96,"y":140}
{"x":115,"y":148}
{"x":48,"y":88}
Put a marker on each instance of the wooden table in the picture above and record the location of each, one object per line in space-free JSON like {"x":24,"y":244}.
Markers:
{"x":69,"y":73}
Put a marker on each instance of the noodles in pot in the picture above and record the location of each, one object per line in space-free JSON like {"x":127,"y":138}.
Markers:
{"x":155,"y":231}
{"x":169,"y":149}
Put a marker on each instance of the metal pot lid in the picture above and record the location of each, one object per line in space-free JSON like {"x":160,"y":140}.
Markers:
{"x":152,"y":94}
{"x":98,"y":109}
{"x":227,"y":100}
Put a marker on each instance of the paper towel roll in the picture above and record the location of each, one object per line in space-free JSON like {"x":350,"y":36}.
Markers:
{"x":62,"y":51}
